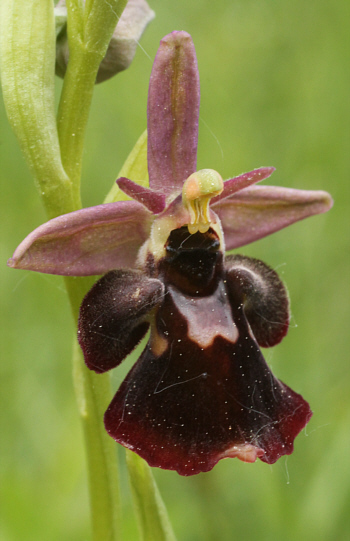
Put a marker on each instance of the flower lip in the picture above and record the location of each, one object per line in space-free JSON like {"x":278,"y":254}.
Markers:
{"x":208,"y":393}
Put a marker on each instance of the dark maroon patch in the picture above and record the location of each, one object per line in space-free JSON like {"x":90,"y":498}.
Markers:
{"x":263,"y":295}
{"x":193,"y":263}
{"x":188,"y":407}
{"x":113,"y":317}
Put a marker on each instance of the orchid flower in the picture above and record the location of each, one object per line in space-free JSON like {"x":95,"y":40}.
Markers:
{"x":201,"y":390}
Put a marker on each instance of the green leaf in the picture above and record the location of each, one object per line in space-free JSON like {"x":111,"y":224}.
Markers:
{"x":27,"y":53}
{"x":151,"y":512}
{"x":135,"y":168}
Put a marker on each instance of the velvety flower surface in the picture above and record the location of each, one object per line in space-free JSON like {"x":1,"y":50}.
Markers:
{"x":201,"y":390}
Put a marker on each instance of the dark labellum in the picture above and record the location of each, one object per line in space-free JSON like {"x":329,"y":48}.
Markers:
{"x":201,"y":390}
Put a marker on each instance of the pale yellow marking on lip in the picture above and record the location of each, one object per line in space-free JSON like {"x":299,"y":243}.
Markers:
{"x":243,"y":451}
{"x":136,"y":293}
{"x":158,"y":343}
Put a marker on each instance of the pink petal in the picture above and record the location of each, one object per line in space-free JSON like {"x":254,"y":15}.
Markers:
{"x":86,"y":242}
{"x":258,"y":211}
{"x":236,"y":184}
{"x":173,"y":110}
{"x":154,"y":201}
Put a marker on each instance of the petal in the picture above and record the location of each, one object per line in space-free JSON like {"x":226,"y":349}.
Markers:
{"x":153,"y":201}
{"x":258,"y":211}
{"x":173,"y":110}
{"x":113,"y":317}
{"x":204,"y":398}
{"x":263,"y":295}
{"x":236,"y":184}
{"x":86,"y":242}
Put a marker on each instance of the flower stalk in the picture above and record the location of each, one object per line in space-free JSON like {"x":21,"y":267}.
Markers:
{"x":89,"y":33}
{"x":152,"y":516}
{"x":92,"y":398}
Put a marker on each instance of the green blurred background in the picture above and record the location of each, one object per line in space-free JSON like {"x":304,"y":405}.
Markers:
{"x":274,"y":91}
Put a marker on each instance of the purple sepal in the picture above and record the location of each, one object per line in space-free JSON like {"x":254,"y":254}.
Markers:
{"x":173,"y":111}
{"x":153,"y":201}
{"x":86,"y":242}
{"x":258,"y":211}
{"x":236,"y":184}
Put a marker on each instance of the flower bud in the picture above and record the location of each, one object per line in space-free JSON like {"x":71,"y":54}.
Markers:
{"x":122,"y":47}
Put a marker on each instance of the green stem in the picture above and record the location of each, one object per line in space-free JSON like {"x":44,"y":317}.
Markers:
{"x":89,"y":33}
{"x":93,"y":394}
{"x":152,"y":516}
{"x":73,"y":113}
